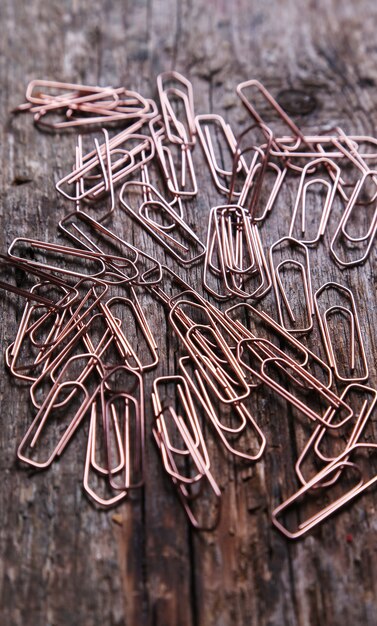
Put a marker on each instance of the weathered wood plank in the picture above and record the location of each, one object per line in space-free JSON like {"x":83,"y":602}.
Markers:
{"x":63,"y":562}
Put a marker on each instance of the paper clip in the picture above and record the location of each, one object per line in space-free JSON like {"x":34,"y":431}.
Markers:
{"x":121,"y":336}
{"x":122,"y":400}
{"x":48,"y":409}
{"x":360,"y":245}
{"x":234,"y":252}
{"x":347,"y":436}
{"x":176,"y":237}
{"x":256,"y":169}
{"x":295,"y":373}
{"x":213,"y":357}
{"x":60,"y":357}
{"x":176,"y":201}
{"x":208,"y":141}
{"x":255,"y":184}
{"x":89,"y":234}
{"x":82,"y":105}
{"x":169,"y":416}
{"x":288,"y":147}
{"x":358,"y":486}
{"x":230,"y":428}
{"x":71,"y":257}
{"x":91,"y":465}
{"x":47,"y":321}
{"x":344,"y":372}
{"x":305,"y":185}
{"x":44,"y":247}
{"x":175,"y":159}
{"x":192,"y":448}
{"x":287,"y":121}
{"x":70,"y":332}
{"x":172,"y":86}
{"x":129,"y":149}
{"x":29,"y":269}
{"x":278,"y":337}
{"x":301,"y":268}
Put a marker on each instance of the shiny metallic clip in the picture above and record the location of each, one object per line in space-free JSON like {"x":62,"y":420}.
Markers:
{"x":188,"y":446}
{"x":356,"y":369}
{"x":171,"y":231}
{"x":235,"y":254}
{"x":359,"y":480}
{"x":220,"y":174}
{"x":297,"y":266}
{"x":358,"y":245}
{"x":82,"y":105}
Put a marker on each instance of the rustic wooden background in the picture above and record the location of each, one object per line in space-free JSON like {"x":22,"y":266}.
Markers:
{"x":62,"y":562}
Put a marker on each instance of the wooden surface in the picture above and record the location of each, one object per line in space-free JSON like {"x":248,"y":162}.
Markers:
{"x":62,"y":562}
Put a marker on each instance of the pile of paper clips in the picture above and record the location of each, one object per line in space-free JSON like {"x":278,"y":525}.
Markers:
{"x":76,"y":343}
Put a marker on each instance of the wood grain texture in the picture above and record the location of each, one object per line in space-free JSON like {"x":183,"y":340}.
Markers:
{"x":62,"y":562}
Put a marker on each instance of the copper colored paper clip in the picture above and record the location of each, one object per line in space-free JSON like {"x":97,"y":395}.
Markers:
{"x":129,"y":310}
{"x":21,"y":247}
{"x":307,"y":182}
{"x":92,"y":235}
{"x":265,"y":369}
{"x":38,"y":329}
{"x":115,"y":451}
{"x":207,"y":126}
{"x":359,"y":479}
{"x":252,"y":195}
{"x":82,"y":105}
{"x":23,"y":265}
{"x":293,"y":131}
{"x":293,"y":258}
{"x":325,"y":446}
{"x":192,"y":306}
{"x":235,"y":255}
{"x":175,"y":160}
{"x":180,"y":440}
{"x":70,"y":327}
{"x":273,"y":337}
{"x":295,"y":143}
{"x":175,"y":89}
{"x":107,"y":165}
{"x":95,"y":479}
{"x":70,"y":355}
{"x":50,"y":411}
{"x":93,"y":264}
{"x":211,"y":354}
{"x":236,"y":428}
{"x":348,"y":248}
{"x":174,"y":199}
{"x":355,"y":367}
{"x":122,"y":399}
{"x":170,"y":231}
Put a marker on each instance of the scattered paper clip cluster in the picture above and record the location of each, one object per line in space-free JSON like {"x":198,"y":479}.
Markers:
{"x":76,"y":344}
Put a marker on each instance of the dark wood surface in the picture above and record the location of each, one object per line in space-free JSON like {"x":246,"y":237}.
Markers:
{"x":62,"y":562}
